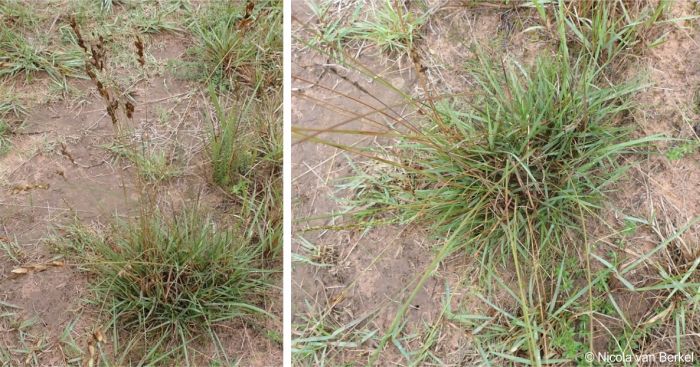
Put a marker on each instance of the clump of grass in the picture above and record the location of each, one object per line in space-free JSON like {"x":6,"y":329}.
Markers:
{"x":536,"y":146}
{"x":609,"y":30}
{"x":332,"y":30}
{"x":18,"y":54}
{"x":246,"y":142}
{"x":16,"y":15}
{"x":243,"y":42}
{"x":393,"y":29}
{"x":231,"y":149}
{"x":246,"y":156}
{"x":171,"y":280}
{"x":152,"y":21}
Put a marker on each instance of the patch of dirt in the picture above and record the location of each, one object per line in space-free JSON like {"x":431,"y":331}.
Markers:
{"x":670,"y":108}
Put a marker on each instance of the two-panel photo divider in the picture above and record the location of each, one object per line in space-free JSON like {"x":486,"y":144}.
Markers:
{"x":349,"y":183}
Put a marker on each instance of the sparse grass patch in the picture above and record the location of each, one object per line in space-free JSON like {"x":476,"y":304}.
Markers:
{"x":391,"y":29}
{"x":11,"y":251}
{"x":21,"y":344}
{"x":10,"y":111}
{"x":153,"y":164}
{"x":683,"y":149}
{"x":165,"y":282}
{"x":320,"y":339}
{"x":4,"y":137}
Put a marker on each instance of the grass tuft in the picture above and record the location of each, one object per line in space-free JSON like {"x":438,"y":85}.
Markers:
{"x":18,"y":54}
{"x":170,"y":279}
{"x":390,"y":28}
{"x":535,"y":145}
{"x":393,"y":29}
{"x":608,"y":32}
{"x":239,"y":42}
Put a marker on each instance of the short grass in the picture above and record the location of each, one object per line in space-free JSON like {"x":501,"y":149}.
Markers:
{"x":23,"y":56}
{"x":5,"y":142}
{"x":11,"y":114}
{"x":27,"y":345}
{"x":163,"y":283}
{"x":389,"y":26}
